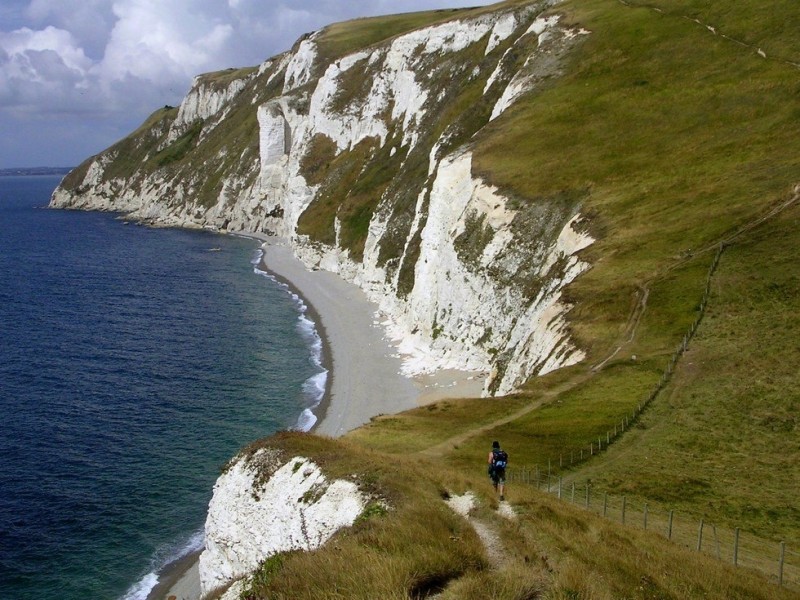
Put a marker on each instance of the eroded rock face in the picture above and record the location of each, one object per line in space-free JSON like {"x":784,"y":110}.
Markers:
{"x":361,"y":162}
{"x":262,"y":506}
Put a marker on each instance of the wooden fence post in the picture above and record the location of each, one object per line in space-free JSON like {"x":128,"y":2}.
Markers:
{"x":605,"y":504}
{"x":780,"y":563}
{"x":700,"y":536}
{"x":559,"y":487}
{"x":588,"y":493}
{"x":623,"y":509}
{"x":736,"y":547}
{"x":716,"y":540}
{"x":669,"y":527}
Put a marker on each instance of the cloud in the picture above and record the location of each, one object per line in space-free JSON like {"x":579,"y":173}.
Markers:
{"x":104,"y":65}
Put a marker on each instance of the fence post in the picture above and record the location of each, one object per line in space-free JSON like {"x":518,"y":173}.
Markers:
{"x":736,"y":547}
{"x":780,"y":563}
{"x":581,"y":453}
{"x":669,"y":527}
{"x":645,"y":516}
{"x":559,"y":487}
{"x":591,"y":448}
{"x":624,"y":499}
{"x":608,"y":438}
{"x":700,"y":537}
{"x":605,"y":503}
{"x":588,"y":493}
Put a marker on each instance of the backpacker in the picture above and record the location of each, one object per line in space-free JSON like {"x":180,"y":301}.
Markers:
{"x":499,"y":459}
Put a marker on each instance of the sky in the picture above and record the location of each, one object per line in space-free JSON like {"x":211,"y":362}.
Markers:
{"x":78,"y":75}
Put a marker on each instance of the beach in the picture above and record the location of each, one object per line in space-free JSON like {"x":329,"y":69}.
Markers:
{"x":364,"y":371}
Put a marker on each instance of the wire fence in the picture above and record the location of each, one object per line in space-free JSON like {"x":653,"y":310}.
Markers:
{"x":779,"y":562}
{"x":577,"y":455}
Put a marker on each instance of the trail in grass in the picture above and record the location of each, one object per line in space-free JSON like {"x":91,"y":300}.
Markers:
{"x":714,"y":30}
{"x":456,"y":440}
{"x":636,"y":315}
{"x":629,"y":333}
{"x":490,"y":538}
{"x":587,"y":469}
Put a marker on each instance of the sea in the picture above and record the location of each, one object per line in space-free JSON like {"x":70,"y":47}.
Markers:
{"x":134,"y":363}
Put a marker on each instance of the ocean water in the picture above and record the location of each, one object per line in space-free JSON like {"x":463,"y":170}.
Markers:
{"x":134,"y":363}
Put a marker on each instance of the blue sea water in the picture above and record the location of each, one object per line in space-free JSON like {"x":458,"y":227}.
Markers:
{"x":134,"y":363}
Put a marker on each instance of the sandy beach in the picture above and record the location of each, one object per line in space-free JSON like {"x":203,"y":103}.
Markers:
{"x":364,"y":378}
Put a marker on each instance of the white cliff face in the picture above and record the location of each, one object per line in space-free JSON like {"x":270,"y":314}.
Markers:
{"x":456,"y":316}
{"x":250,"y":519}
{"x":203,"y":101}
{"x":479,"y":293}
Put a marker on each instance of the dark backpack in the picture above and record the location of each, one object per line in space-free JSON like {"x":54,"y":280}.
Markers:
{"x":499,"y":459}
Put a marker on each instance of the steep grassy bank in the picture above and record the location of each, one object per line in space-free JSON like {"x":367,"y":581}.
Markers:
{"x":414,"y":546}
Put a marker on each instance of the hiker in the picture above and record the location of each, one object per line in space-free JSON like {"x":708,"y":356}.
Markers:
{"x":498,"y":459}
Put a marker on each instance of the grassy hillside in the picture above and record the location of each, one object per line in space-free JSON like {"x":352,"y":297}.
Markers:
{"x":674,"y":127}
{"x":680,"y":118}
{"x":413,"y":545}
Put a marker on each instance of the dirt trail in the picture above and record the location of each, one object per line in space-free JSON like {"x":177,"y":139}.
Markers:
{"x":629,"y":333}
{"x":488,"y":534}
{"x":456,"y":440}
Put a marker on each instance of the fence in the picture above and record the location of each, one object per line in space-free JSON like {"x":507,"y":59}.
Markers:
{"x":580,"y":454}
{"x":776,"y":560}
{"x":779,"y":563}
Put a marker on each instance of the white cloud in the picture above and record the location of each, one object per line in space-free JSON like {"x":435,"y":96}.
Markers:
{"x":114,"y":61}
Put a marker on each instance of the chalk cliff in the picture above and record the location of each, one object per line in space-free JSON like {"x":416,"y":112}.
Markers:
{"x":264,"y":505}
{"x":362,"y":157}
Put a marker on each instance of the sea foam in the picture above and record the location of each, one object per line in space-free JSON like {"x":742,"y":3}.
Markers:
{"x":314,"y":387}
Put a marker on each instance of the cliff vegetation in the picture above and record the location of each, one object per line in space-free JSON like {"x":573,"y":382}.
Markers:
{"x":555,"y":193}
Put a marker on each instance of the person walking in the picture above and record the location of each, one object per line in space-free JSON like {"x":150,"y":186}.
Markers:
{"x":498,"y":459}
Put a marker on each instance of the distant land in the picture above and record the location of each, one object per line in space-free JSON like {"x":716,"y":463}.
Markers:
{"x":35,"y":171}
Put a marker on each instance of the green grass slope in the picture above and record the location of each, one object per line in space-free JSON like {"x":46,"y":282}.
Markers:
{"x":675,"y":127}
{"x":681,"y":120}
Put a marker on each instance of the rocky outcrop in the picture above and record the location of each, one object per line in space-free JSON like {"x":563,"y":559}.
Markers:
{"x":263,"y":505}
{"x":364,"y":161}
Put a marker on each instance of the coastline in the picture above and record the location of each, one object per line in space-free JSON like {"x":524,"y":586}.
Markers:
{"x":364,"y":376}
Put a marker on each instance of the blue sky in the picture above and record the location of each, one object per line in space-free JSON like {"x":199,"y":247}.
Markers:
{"x":77,"y":75}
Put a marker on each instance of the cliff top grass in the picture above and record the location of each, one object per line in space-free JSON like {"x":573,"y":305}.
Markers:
{"x":684,"y":139}
{"x":419,"y":547}
{"x":674,"y":138}
{"x":346,"y":37}
{"x":681,"y":136}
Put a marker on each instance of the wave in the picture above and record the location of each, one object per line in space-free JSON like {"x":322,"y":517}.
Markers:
{"x":165,"y":557}
{"x":313,"y":388}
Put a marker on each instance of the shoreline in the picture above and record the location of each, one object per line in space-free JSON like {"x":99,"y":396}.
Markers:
{"x":363,"y":366}
{"x":326,"y":362}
